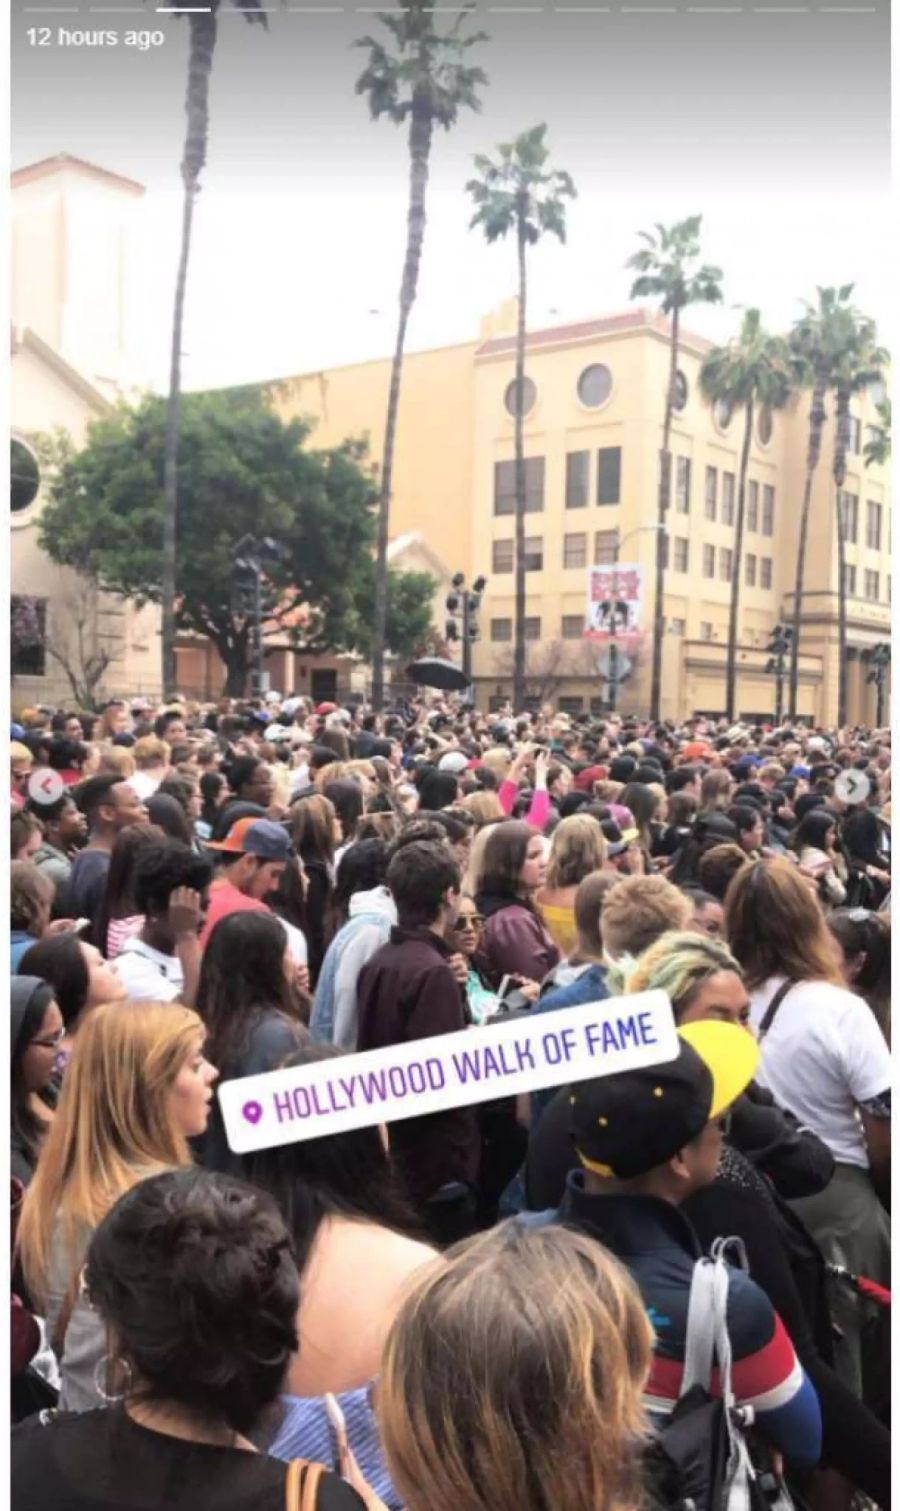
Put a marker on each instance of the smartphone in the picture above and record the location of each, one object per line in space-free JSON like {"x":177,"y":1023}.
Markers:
{"x":339,"y":1428}
{"x":81,"y":925}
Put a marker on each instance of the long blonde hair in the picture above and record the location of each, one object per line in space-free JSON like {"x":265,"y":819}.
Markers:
{"x":111,"y":1128}
{"x":577,"y":848}
{"x":512,"y":1378}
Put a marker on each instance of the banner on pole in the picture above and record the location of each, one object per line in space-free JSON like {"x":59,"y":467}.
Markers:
{"x":614,"y":601}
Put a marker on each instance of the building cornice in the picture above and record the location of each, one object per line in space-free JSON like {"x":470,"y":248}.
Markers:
{"x":63,"y":161}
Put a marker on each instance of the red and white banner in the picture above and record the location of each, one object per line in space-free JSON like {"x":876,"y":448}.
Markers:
{"x":615,"y":597}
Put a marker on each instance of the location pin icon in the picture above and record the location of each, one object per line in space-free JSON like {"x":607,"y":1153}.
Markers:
{"x":252,"y":1112}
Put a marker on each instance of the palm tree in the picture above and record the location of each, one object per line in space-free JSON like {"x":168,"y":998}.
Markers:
{"x":519,"y":193}
{"x":423,"y":83}
{"x":752,"y":371}
{"x":817,"y":342}
{"x":667,"y":271}
{"x":877,"y":450}
{"x":203,"y":31}
{"x":861,"y":363}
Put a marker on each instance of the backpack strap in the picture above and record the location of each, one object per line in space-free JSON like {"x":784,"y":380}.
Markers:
{"x":774,"y":1005}
{"x":301,"y":1486}
{"x":700,"y":1340}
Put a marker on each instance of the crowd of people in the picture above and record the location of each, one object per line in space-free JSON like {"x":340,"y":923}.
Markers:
{"x":488,"y":1308}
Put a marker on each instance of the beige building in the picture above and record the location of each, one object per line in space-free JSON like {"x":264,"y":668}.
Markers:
{"x":593,"y":431}
{"x":73,"y":228}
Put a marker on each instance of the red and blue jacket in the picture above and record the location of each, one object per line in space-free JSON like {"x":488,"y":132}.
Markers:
{"x":659,"y":1247}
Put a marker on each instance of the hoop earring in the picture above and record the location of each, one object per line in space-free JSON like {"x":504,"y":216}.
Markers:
{"x":102,"y":1370}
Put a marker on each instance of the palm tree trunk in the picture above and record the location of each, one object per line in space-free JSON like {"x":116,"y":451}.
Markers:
{"x":731,"y":668}
{"x":839,"y":473}
{"x":664,"y":497}
{"x":816,"y":424}
{"x":420,"y":133}
{"x":202,"y":48}
{"x":519,"y":647}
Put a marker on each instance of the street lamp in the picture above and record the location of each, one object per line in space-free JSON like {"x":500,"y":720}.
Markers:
{"x":613,"y":646}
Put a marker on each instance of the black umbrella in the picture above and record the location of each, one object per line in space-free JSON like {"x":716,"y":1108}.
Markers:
{"x":435,"y":671}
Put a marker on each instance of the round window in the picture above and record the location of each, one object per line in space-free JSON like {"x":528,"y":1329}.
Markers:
{"x":679,"y":392}
{"x":722,"y":413}
{"x":764,"y":426}
{"x":595,"y":385}
{"x":517,"y":403}
{"x":24,"y":476}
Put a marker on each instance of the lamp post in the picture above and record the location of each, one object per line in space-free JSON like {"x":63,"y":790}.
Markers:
{"x":613,"y":644}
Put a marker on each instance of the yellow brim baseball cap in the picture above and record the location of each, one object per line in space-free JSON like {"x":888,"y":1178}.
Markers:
{"x":730,"y":1054}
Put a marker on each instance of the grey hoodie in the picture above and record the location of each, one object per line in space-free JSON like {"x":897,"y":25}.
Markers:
{"x":334,"y":1014}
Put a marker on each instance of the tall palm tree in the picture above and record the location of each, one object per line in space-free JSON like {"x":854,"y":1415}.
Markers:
{"x":751,"y":372}
{"x":423,"y":83}
{"x":817,"y":342}
{"x":861,"y":363}
{"x":520,"y":193}
{"x":668,"y":271}
{"x":203,"y":32}
{"x":877,"y":450}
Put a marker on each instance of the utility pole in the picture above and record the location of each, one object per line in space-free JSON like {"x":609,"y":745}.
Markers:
{"x":779,"y":649}
{"x":655,"y":528}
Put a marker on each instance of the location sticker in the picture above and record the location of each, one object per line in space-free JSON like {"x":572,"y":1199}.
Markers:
{"x":499,"y":1059}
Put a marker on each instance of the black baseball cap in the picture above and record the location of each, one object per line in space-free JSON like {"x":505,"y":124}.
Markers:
{"x":625,"y":1125}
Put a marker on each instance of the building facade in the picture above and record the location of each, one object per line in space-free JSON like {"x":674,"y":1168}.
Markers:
{"x":594,"y":399}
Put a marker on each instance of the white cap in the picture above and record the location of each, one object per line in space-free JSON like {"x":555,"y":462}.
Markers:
{"x":454,"y":761}
{"x":277,"y":732}
{"x":273,"y":697}
{"x":816,"y":742}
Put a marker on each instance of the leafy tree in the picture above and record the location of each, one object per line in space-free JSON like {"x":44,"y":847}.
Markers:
{"x":751,"y":372}
{"x":409,"y":629}
{"x":243,"y":470}
{"x":667,"y":265}
{"x":877,"y":449}
{"x":203,"y":25}
{"x":423,"y":82}
{"x":861,"y":364}
{"x":519,"y":193}
{"x":819,"y":342}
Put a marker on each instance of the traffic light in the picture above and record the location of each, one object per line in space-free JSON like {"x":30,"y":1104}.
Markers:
{"x":451,"y":629}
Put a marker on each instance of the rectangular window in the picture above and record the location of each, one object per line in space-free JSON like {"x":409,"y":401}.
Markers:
{"x":605,"y":545}
{"x":855,"y":436}
{"x":726,"y":562}
{"x":768,"y":520}
{"x":849,"y":579}
{"x":505,"y":486}
{"x":665,"y":551}
{"x":532,"y":629}
{"x":706,"y":630}
{"x":501,"y":629}
{"x":571,"y":705}
{"x":750,"y":573}
{"x":711,"y":493}
{"x":753,"y":506}
{"x":577,"y":469}
{"x":873,"y":586}
{"x":575,"y":550}
{"x":676,"y":627}
{"x":28,"y":636}
{"x":683,"y":484}
{"x":609,"y":474}
{"x":502,"y":556}
{"x":727,"y":498}
{"x":873,"y":525}
{"x":765,"y":572}
{"x":534,"y":553}
{"x":709,"y":561}
{"x":849,"y":507}
{"x":680,"y":553}
{"x":662,"y":472}
{"x":572,"y":626}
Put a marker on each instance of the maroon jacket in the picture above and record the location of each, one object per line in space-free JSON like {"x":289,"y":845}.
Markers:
{"x":408,"y":991}
{"x":513,"y":941}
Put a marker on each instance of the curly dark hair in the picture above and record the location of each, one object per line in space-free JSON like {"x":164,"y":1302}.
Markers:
{"x":195,"y":1276}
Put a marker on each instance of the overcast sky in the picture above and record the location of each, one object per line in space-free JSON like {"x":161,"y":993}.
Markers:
{"x":772,"y":122}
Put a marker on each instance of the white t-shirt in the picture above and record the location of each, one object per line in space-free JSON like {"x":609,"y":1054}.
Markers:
{"x":148,"y":974}
{"x":822,"y":1056}
{"x":144,"y":783}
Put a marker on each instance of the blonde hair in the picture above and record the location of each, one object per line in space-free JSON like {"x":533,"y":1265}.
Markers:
{"x":498,"y":760}
{"x":512,"y":1377}
{"x":677,"y":964}
{"x":577,"y":848}
{"x":111,"y":1129}
{"x":485,"y":808}
{"x":637,"y":910}
{"x":149,"y":751}
{"x":118,"y":759}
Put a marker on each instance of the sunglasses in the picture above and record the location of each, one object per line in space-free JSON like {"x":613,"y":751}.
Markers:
{"x":473,"y":921}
